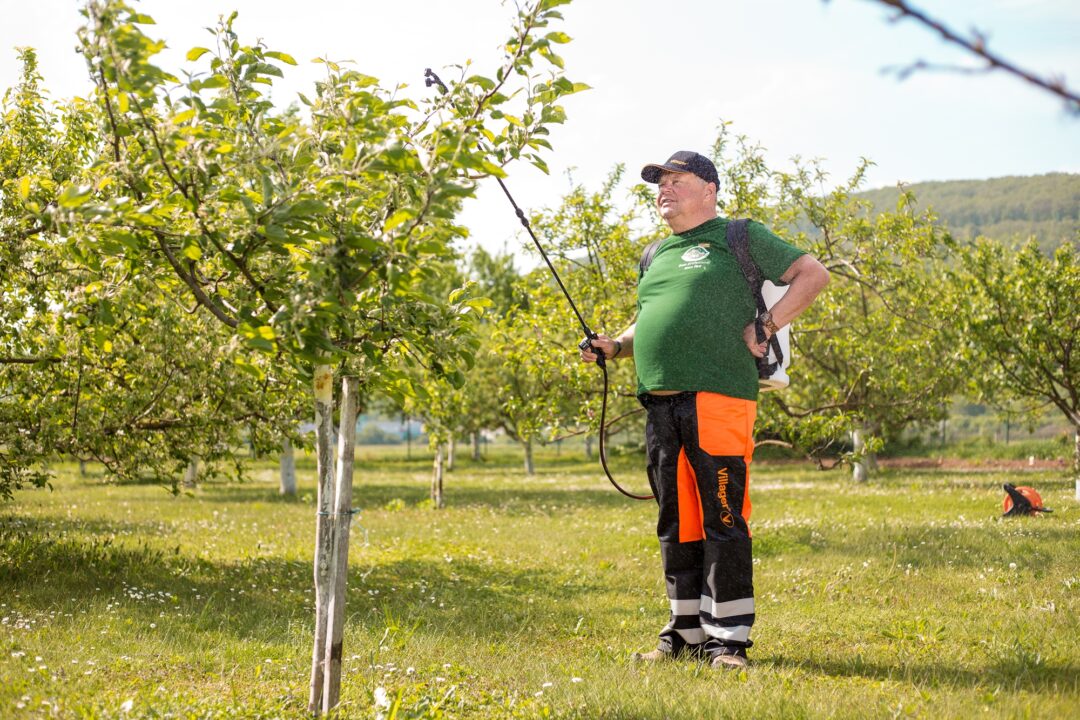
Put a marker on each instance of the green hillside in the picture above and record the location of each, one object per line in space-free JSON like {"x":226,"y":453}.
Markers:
{"x":1007,"y":208}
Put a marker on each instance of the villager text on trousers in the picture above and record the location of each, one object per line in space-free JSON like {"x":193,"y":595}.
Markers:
{"x":699,"y":449}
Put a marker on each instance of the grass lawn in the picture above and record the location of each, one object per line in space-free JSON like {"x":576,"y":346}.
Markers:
{"x":524,"y":597}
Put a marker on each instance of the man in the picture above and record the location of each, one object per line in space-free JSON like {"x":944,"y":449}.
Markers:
{"x":694,"y":345}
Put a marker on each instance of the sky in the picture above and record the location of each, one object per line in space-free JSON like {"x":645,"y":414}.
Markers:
{"x":800,"y":77}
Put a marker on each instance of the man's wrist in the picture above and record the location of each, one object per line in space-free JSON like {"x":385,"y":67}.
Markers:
{"x":618,"y":349}
{"x":767,"y":320}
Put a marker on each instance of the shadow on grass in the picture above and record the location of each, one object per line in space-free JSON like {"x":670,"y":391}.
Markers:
{"x":525,"y":499}
{"x":261,"y":599}
{"x":1018,"y":672}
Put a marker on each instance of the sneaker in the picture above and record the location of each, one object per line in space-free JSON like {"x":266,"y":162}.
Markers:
{"x":729,"y":659}
{"x":653,"y":656}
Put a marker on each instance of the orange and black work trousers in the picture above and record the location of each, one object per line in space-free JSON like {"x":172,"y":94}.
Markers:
{"x":699,"y":447}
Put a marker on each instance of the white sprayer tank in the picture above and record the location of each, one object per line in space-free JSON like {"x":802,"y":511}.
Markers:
{"x":779,"y":380}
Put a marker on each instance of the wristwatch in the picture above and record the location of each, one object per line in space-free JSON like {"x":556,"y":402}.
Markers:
{"x":767,"y":321}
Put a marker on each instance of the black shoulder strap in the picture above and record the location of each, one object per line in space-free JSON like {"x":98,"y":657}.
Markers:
{"x":647,"y":255}
{"x":738,"y":239}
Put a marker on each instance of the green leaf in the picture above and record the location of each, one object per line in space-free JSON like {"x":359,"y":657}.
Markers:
{"x":539,"y":163}
{"x":267,"y":191}
{"x":306,"y":208}
{"x":276,"y":232}
{"x":74,"y":195}
{"x":24,"y":187}
{"x":558,"y":37}
{"x":196,"y":52}
{"x":397,"y":218}
{"x":483,"y":82}
{"x":214,"y":81}
{"x":264,"y":69}
{"x":547,"y":54}
{"x":283,"y":57}
{"x":183,"y":117}
{"x":192,"y":251}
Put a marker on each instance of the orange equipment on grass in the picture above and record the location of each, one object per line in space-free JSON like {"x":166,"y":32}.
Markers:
{"x":1022,"y":500}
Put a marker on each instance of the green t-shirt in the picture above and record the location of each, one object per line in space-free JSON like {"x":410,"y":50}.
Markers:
{"x":693,"y":303}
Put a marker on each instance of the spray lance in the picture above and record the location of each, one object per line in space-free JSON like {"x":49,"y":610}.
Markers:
{"x":430,"y":78}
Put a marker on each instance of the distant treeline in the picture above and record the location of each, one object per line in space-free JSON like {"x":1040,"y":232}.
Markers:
{"x":1008,"y":209}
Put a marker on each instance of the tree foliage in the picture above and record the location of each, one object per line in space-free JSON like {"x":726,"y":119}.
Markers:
{"x":871,"y":352}
{"x":194,"y":221}
{"x":99,"y":362}
{"x":1007,"y":209}
{"x":1020,"y":315}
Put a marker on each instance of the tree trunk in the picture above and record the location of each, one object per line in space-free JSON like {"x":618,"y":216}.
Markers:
{"x":1076,"y":459}
{"x":82,"y":468}
{"x":437,"y":478}
{"x":530,"y":468}
{"x":859,"y":470}
{"x":451,"y":450}
{"x":1076,"y":451}
{"x":341,"y":520}
{"x":191,"y":474}
{"x":324,"y":433}
{"x":288,"y":469}
{"x":588,"y":447}
{"x":476,"y":446}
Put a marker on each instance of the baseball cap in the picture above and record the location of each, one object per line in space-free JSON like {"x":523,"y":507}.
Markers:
{"x":684,"y":161}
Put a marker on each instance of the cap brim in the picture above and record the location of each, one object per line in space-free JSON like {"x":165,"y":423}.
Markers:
{"x":652,"y":173}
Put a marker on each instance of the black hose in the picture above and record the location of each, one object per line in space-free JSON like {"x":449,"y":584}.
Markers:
{"x":603,"y":450}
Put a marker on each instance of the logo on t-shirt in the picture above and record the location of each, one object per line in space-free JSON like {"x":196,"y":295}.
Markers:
{"x":695,"y":257}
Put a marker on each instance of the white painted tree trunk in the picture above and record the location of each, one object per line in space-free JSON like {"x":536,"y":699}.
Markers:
{"x":437,"y":478}
{"x":341,"y":520}
{"x":191,"y":474}
{"x":324,"y":434}
{"x":288,"y":469}
{"x":476,"y":446}
{"x":1076,"y":452}
{"x":530,"y":468}
{"x":860,"y":472}
{"x":451,"y":451}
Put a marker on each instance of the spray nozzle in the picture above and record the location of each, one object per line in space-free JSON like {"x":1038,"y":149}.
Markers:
{"x":430,"y":78}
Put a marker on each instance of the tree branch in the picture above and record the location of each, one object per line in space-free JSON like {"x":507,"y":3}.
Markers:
{"x":193,"y":284}
{"x":28,"y":360}
{"x":977,"y":46}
